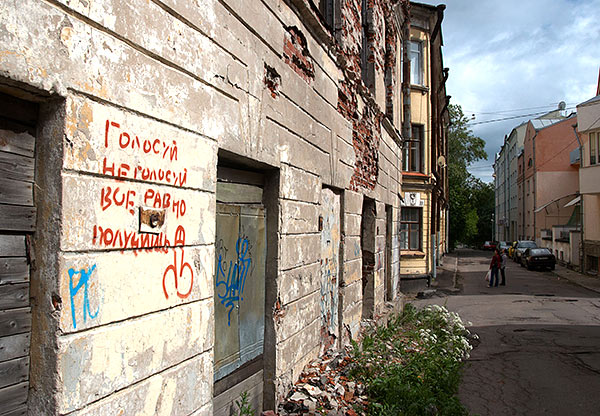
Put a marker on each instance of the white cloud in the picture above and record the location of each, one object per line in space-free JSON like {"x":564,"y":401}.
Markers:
{"x":519,"y":54}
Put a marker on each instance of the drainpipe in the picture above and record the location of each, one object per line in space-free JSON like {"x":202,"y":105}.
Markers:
{"x":582,"y":241}
{"x":533,"y":191}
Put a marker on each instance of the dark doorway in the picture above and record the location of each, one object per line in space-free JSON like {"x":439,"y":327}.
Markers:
{"x":367,"y":244}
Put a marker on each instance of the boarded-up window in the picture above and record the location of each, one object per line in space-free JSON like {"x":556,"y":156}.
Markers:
{"x":239,"y":286}
{"x":17,"y":223}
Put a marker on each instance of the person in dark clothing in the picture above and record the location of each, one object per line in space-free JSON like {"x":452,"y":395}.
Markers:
{"x":495,"y":267}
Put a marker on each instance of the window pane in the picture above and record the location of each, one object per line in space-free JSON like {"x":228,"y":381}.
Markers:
{"x":404,"y":216}
{"x":414,"y":214}
{"x":409,"y":215}
{"x":598,"y":147}
{"x":414,"y":240}
{"x":593,"y":143}
{"x":416,"y":67}
{"x":410,"y":229}
{"x":403,"y":237}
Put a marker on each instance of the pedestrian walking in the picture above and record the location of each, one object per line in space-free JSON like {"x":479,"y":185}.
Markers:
{"x":495,"y":267}
{"x":504,"y":258}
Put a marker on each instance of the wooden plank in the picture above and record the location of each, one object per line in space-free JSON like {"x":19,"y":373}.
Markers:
{"x":14,"y":296}
{"x":12,"y":245}
{"x":14,"y":270}
{"x":16,"y":192}
{"x":225,"y":174}
{"x":19,"y":411}
{"x":14,"y":371}
{"x":18,"y":143}
{"x":238,"y":193}
{"x":13,"y":398}
{"x":15,"y":321}
{"x":16,"y":167}
{"x":14,"y":346}
{"x":17,"y":218}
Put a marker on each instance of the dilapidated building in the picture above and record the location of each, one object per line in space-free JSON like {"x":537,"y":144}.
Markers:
{"x":197,"y":197}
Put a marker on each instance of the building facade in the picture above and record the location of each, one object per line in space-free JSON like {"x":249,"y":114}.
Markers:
{"x":588,"y":126}
{"x":424,"y":214}
{"x":551,"y":180}
{"x":202,"y":198}
{"x":508,"y":214}
{"x":501,"y":193}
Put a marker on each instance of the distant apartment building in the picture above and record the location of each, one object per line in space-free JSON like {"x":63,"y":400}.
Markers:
{"x":508,"y":215}
{"x":551,"y":180}
{"x":588,"y":126}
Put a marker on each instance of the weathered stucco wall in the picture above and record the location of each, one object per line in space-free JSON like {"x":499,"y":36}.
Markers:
{"x":151,"y":93}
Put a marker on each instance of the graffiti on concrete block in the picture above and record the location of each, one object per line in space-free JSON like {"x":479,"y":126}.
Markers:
{"x":329,"y":295}
{"x":231,"y":277}
{"x":161,"y":149}
{"x":330,"y":247}
{"x":180,"y":271}
{"x":83,"y":282}
{"x":147,"y":159}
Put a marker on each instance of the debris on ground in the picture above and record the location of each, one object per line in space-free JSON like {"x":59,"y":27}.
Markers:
{"x":324,"y":388}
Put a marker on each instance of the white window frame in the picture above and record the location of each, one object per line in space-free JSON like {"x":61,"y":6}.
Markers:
{"x":417,"y":73}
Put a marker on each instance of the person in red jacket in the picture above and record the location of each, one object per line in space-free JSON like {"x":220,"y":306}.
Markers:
{"x":495,"y":267}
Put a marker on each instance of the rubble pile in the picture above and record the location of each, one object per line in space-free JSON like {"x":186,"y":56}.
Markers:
{"x":324,"y":388}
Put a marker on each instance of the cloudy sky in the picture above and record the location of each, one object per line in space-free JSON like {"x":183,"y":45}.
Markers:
{"x":516,"y":57}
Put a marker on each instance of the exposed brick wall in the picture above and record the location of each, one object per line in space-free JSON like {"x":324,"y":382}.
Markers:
{"x":366,"y":137}
{"x":391,"y":47}
{"x":382,"y":38}
{"x":272,"y":80}
{"x":296,"y":54}
{"x":377,"y":24}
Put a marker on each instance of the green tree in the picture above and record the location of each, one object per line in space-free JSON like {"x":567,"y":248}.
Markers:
{"x":469,"y":197}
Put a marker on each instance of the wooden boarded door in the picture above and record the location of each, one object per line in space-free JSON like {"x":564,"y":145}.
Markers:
{"x":239,"y":295}
{"x":330,"y":252}
{"x":17,"y":223}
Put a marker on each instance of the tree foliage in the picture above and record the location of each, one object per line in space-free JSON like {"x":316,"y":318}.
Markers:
{"x":471,"y":200}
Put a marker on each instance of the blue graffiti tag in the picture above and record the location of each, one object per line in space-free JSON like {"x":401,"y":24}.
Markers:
{"x":84,"y":280}
{"x":235,"y":280}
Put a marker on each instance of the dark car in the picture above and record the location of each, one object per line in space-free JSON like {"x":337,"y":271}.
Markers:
{"x":538,"y":257}
{"x":488,"y":245}
{"x":521,"y":246}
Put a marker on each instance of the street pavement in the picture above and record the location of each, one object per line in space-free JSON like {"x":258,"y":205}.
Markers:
{"x":538,"y":350}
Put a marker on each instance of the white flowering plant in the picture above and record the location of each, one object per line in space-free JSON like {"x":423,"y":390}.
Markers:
{"x":412,"y":365}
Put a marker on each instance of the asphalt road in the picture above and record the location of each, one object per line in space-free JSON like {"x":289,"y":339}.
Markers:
{"x":539,"y":340}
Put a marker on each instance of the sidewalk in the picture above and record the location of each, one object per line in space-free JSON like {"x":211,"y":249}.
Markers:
{"x":588,"y":282}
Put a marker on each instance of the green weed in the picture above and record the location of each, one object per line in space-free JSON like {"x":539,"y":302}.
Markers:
{"x":412,"y":365}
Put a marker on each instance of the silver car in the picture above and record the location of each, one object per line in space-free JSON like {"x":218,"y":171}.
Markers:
{"x":523,"y":245}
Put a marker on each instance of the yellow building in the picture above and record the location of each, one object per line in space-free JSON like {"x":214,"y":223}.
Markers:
{"x":423,"y":239}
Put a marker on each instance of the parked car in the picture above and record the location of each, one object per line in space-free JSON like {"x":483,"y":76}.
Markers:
{"x":521,"y":246}
{"x":502,"y":245}
{"x":488,"y":245}
{"x":538,"y":257}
